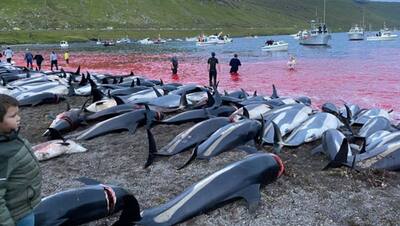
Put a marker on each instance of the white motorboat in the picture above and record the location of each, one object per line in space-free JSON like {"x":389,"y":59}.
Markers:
{"x":125,"y":40}
{"x":213,"y":40}
{"x":275,"y":46}
{"x":298,"y":34}
{"x":317,"y":35}
{"x":383,"y":35}
{"x":64,"y":44}
{"x":356,"y":33}
{"x":146,"y":41}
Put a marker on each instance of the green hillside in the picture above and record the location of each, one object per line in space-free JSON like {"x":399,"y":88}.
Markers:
{"x":76,"y":20}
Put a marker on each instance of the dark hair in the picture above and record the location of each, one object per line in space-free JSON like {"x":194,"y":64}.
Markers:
{"x":6,"y":102}
{"x":235,"y":55}
{"x":212,"y":54}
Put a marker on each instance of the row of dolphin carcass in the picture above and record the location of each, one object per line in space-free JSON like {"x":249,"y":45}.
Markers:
{"x":224,"y":122}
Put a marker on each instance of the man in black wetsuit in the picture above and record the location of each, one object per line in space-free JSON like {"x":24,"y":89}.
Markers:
{"x":174,"y":66}
{"x":234,"y":63}
{"x":212,"y":69}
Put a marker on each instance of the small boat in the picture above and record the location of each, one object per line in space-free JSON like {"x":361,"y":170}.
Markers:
{"x":317,"y":35}
{"x":297,"y":35}
{"x":275,"y":46}
{"x":356,"y":33}
{"x":125,"y":40}
{"x":64,"y":44}
{"x":146,"y":41}
{"x":213,"y":40}
{"x":108,"y":43}
{"x":383,"y":35}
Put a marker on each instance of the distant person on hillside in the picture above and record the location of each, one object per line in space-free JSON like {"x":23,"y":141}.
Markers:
{"x":212,"y":69}
{"x":66,"y":57}
{"x":53,"y":60}
{"x":234,"y":63}
{"x":39,"y":59}
{"x":8,"y":53}
{"x":29,"y":59}
{"x":174,"y":65}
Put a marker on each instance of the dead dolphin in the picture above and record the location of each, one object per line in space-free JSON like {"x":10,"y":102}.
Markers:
{"x":41,"y":98}
{"x":128,"y":121}
{"x":241,"y":179}
{"x":82,"y":205}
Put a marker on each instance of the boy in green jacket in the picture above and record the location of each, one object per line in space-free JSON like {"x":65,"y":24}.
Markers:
{"x":20,"y":176}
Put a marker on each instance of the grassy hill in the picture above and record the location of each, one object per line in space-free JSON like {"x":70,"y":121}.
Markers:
{"x":48,"y":20}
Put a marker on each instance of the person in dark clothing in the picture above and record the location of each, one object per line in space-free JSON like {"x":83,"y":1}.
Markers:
{"x":39,"y":59}
{"x":174,"y":66}
{"x":212,"y":69}
{"x":234,"y":63}
{"x":20,"y":175}
{"x":28,"y":59}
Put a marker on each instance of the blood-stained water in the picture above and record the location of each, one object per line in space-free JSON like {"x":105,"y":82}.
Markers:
{"x":364,"y":72}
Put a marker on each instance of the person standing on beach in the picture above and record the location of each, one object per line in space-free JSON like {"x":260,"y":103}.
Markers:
{"x":29,"y":59}
{"x":20,"y":175}
{"x":66,"y":57}
{"x":53,"y":60}
{"x":8,"y":53}
{"x":39,"y":59}
{"x":234,"y":63}
{"x":212,"y":69}
{"x":174,"y":66}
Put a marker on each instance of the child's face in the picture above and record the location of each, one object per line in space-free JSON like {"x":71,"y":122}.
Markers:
{"x":11,"y":120}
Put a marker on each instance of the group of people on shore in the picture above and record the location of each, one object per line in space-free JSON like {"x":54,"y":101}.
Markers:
{"x":38,"y":58}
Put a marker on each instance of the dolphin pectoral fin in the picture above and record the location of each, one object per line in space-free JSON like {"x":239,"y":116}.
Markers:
{"x":316,"y":150}
{"x":341,"y":157}
{"x":133,"y":128}
{"x":152,"y":149}
{"x":192,"y":157}
{"x":130,"y":213}
{"x":252,"y":196}
{"x":88,"y":181}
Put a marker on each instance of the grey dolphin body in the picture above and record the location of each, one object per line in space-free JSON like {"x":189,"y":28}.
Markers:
{"x":66,"y":121}
{"x":372,"y":144}
{"x":128,"y":121}
{"x":113,"y":111}
{"x":286,"y":120}
{"x":364,"y":115}
{"x":194,"y":135}
{"x":41,"y":98}
{"x":228,"y":137}
{"x":83,"y":205}
{"x":198,"y":115}
{"x":241,"y":179}
{"x":386,"y":156}
{"x":375,"y":124}
{"x":312,"y":129}
{"x":334,"y":144}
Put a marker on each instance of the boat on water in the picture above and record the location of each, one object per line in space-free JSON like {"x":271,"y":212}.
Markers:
{"x":383,"y":35}
{"x":64,"y":44}
{"x":108,"y":43}
{"x":298,"y":34}
{"x":125,"y":40}
{"x":356,"y":33}
{"x":146,"y":41}
{"x":271,"y":45}
{"x":213,"y":40}
{"x":317,"y":35}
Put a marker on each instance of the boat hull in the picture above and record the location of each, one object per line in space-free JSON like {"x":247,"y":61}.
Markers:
{"x":319,"y":39}
{"x":356,"y":36}
{"x":381,"y":38}
{"x":275,"y":48}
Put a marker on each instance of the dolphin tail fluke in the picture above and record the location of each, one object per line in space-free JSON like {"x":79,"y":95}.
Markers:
{"x":192,"y":157}
{"x":278,"y":142}
{"x":130,"y":213}
{"x":341,"y":157}
{"x":251,"y":194}
{"x":274,"y":92}
{"x":152,"y":149}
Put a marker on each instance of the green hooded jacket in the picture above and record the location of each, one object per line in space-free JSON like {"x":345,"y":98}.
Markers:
{"x":20,"y":179}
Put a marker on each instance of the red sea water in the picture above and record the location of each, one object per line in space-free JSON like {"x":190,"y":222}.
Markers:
{"x":362,"y":72}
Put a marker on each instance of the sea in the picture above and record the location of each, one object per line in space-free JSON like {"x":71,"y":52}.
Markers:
{"x":366,"y":73}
